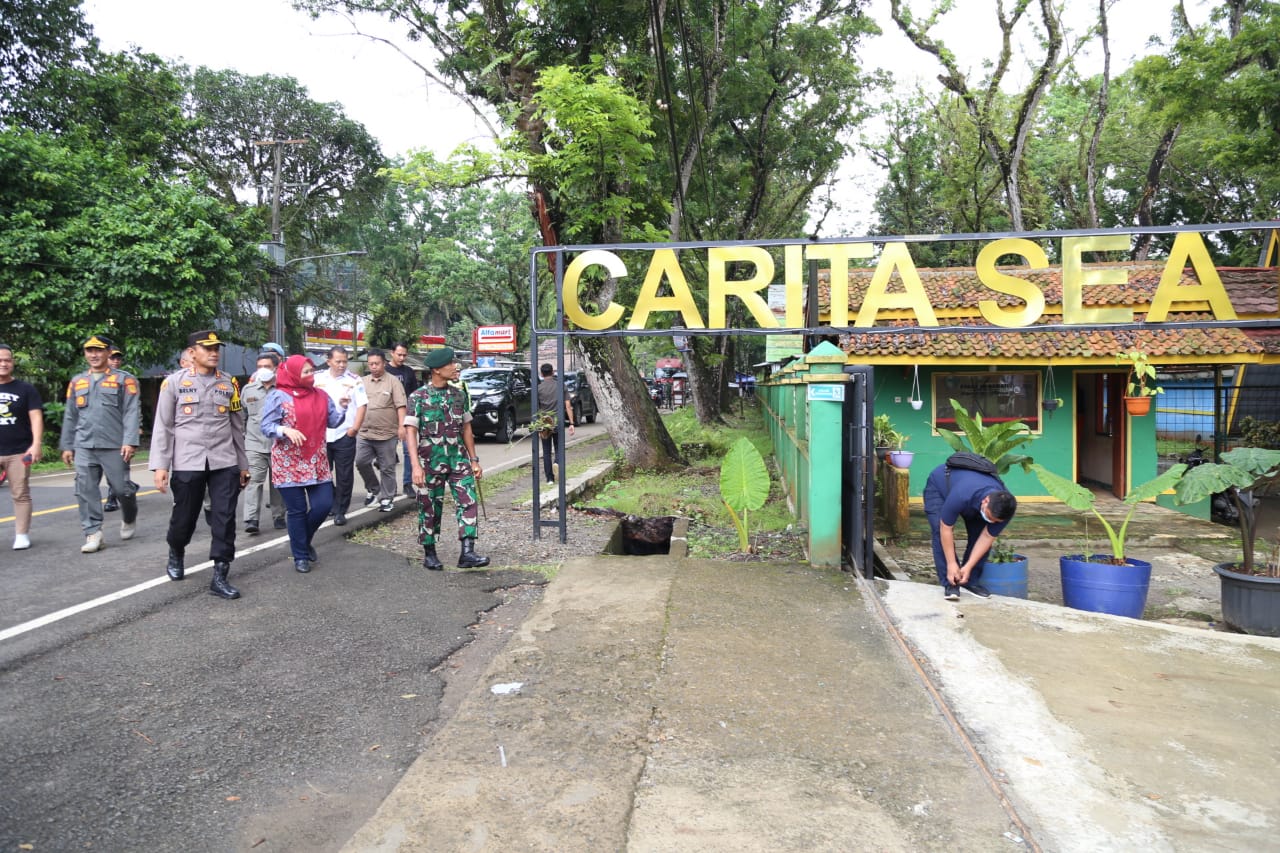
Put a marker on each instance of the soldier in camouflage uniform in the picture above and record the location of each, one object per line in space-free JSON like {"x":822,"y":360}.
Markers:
{"x":442,"y":450}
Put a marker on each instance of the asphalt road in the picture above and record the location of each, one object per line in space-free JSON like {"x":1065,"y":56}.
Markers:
{"x":139,"y":713}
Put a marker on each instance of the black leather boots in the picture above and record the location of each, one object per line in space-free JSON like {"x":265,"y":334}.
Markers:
{"x":469,"y":559}
{"x":219,"y":586}
{"x":175,"y":569}
{"x":430,"y":560}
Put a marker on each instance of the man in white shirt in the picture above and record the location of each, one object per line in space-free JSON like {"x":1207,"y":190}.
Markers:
{"x":341,"y":384}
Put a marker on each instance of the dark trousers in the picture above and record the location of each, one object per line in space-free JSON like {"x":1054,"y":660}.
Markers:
{"x":933,"y":501}
{"x":549,"y":445}
{"x":306,"y":508}
{"x":189,"y":487}
{"x":342,"y":459}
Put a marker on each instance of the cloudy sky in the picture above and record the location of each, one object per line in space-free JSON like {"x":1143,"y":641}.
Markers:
{"x":382,"y":90}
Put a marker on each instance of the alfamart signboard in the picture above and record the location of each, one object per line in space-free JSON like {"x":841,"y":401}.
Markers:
{"x":664,"y":269}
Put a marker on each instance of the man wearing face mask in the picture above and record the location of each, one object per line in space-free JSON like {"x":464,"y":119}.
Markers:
{"x":980,"y":499}
{"x":258,"y":447}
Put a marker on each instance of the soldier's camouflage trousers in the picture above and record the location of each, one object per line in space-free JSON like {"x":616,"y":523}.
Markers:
{"x":443,"y":464}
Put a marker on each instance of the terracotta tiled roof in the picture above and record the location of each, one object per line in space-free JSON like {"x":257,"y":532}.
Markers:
{"x":955,"y":293}
{"x":1062,"y":345}
{"x":957,"y":290}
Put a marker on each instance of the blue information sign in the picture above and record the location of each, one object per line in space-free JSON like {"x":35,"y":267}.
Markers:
{"x":827,"y":392}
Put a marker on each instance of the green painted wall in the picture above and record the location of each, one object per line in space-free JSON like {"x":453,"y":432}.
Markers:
{"x":1052,"y":447}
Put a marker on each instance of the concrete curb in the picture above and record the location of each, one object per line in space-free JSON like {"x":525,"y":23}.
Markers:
{"x":574,"y":488}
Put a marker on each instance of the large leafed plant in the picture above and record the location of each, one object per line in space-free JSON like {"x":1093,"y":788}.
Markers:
{"x":744,"y":485}
{"x":996,"y":442}
{"x":1078,"y":497}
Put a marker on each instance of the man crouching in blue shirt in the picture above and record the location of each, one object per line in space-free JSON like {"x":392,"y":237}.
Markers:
{"x":985,"y":505}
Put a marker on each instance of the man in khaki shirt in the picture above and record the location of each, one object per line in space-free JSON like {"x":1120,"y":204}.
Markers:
{"x":381,"y":433}
{"x":198,"y":444}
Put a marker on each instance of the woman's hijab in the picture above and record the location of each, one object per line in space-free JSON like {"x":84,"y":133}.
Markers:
{"x":310,"y":406}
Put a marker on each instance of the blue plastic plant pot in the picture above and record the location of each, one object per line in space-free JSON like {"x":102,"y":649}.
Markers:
{"x":1008,"y":579}
{"x":1105,"y":588}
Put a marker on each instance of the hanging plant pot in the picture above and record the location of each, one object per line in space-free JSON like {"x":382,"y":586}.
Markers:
{"x":1137,"y":406}
{"x":917,"y":401}
{"x":901,"y":458}
{"x":1105,"y":587}
{"x":1049,"y":405}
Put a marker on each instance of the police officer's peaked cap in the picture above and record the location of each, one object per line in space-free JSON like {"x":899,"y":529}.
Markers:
{"x":208,"y":338}
{"x":439,"y":357}
{"x":115,"y":351}
{"x":97,"y":342}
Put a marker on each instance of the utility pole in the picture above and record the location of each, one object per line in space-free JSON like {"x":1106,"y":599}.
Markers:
{"x":275,"y":311}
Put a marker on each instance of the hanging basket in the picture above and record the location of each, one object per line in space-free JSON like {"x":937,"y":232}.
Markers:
{"x":1137,"y":406}
{"x":1049,"y":399}
{"x":917,"y":401}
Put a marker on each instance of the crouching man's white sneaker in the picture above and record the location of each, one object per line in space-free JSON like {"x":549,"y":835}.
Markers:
{"x":126,"y":530}
{"x":92,"y":542}
{"x":21,"y":541}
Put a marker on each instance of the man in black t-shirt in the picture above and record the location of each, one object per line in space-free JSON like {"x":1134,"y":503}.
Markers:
{"x":550,"y":438}
{"x":409,"y":379}
{"x":21,"y":434}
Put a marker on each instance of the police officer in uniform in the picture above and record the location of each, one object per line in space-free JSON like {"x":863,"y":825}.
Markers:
{"x":100,"y":434}
{"x":115,"y":358}
{"x":443,"y":450}
{"x":197,"y":445}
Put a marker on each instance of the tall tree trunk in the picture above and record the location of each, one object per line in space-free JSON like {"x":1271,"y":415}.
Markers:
{"x":1146,"y":204}
{"x":1091,"y":161}
{"x":1007,"y":155}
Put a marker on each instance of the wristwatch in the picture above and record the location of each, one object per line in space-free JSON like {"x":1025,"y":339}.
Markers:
{"x":475,"y":458}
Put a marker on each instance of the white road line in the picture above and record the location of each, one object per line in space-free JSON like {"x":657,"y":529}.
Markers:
{"x":49,"y":619}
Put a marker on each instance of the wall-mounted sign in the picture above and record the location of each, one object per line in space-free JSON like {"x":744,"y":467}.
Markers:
{"x":493,"y":339}
{"x":835,"y":393}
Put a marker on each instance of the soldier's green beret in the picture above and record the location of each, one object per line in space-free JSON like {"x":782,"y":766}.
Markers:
{"x":439,"y":357}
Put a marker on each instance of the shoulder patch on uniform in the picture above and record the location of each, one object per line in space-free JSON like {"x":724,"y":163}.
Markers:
{"x":131,"y":385}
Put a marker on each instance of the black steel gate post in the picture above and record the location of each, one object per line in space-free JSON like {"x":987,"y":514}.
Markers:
{"x":857,"y":513}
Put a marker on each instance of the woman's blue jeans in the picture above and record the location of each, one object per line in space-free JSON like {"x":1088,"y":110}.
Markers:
{"x":306,"y":508}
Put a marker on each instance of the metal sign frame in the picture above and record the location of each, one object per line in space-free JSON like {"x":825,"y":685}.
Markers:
{"x":558,"y":258}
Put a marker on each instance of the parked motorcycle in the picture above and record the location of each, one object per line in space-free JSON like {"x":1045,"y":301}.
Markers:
{"x":1222,"y":508}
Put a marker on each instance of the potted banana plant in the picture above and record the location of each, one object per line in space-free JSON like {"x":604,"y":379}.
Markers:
{"x":1250,"y":588}
{"x":1117,"y":584}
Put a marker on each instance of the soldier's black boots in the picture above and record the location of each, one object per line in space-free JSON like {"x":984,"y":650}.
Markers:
{"x":175,"y":569}
{"x":430,"y":560}
{"x":219,"y":586}
{"x":469,"y":559}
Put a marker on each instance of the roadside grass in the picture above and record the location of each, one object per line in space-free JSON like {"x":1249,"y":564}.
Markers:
{"x":694,"y":492}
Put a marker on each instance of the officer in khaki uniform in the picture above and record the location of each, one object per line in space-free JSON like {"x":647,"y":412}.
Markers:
{"x":198,"y":444}
{"x":100,"y":433}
